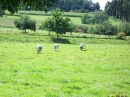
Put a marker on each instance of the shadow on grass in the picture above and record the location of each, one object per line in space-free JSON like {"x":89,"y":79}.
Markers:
{"x":60,"y":40}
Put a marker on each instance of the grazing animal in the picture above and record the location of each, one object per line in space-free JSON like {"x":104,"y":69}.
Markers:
{"x":82,"y":46}
{"x":39,"y":48}
{"x":56,"y":46}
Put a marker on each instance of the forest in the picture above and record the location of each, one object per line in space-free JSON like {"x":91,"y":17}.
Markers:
{"x":119,"y":9}
{"x":73,"y":5}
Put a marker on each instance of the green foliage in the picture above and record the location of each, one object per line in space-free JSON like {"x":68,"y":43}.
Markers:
{"x":99,"y":18}
{"x":124,"y":27}
{"x":24,"y":23}
{"x":91,"y":30}
{"x":77,"y":5}
{"x":13,"y":5}
{"x":81,"y":28}
{"x":119,"y":9}
{"x":47,"y":24}
{"x":106,"y":28}
{"x":121,"y":35}
{"x":57,"y":23}
{"x":85,"y":19}
{"x":1,"y":12}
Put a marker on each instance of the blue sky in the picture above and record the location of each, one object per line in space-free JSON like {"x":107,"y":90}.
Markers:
{"x":102,"y":3}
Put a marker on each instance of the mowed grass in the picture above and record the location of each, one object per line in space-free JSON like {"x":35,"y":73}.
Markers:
{"x":101,"y":70}
{"x":40,"y":16}
{"x":9,"y":20}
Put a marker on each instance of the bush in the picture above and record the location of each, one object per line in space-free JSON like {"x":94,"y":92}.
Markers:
{"x":25,"y":23}
{"x":124,"y":27}
{"x":100,"y":17}
{"x":121,"y":35}
{"x":85,"y":19}
{"x":81,"y":27}
{"x":106,"y":28}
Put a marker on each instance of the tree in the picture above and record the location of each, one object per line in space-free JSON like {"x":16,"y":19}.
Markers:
{"x":85,"y":19}
{"x":57,"y":23}
{"x":48,"y":24}
{"x":96,"y":6}
{"x":118,"y":9}
{"x":124,"y":27}
{"x":1,"y":12}
{"x":24,"y":23}
{"x":91,"y":30}
{"x":100,"y":17}
{"x":106,"y":28}
{"x":13,"y":5}
{"x":68,"y":5}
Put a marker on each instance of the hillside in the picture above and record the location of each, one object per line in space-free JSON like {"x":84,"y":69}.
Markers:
{"x":39,"y":16}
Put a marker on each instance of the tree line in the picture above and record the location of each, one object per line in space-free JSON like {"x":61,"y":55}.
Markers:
{"x":73,"y":5}
{"x":46,"y":5}
{"x":14,"y":5}
{"x":118,"y":9}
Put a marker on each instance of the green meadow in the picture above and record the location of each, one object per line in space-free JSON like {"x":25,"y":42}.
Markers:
{"x":102,"y":69}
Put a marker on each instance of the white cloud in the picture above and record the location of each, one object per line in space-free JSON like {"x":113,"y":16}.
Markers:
{"x":102,"y":3}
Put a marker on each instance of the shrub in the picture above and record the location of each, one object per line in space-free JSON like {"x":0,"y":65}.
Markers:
{"x":25,"y":23}
{"x":106,"y":28}
{"x":124,"y":27}
{"x":100,"y":17}
{"x":85,"y":19}
{"x":121,"y":35}
{"x":81,"y":27}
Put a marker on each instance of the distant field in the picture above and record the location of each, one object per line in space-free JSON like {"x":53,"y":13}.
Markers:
{"x":114,"y":21}
{"x":9,"y":20}
{"x":70,"y":14}
{"x":41,"y":16}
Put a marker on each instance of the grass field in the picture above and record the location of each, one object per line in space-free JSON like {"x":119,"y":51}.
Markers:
{"x":40,"y":16}
{"x":9,"y":20}
{"x":101,"y":70}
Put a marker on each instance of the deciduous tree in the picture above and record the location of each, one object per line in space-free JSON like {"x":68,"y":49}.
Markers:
{"x":13,"y":5}
{"x":57,"y":23}
{"x":24,"y":23}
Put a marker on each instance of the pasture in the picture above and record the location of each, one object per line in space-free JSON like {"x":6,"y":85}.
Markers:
{"x":101,"y":70}
{"x":39,"y":16}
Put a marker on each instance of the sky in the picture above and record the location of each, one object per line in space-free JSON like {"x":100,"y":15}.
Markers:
{"x":102,"y":3}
